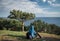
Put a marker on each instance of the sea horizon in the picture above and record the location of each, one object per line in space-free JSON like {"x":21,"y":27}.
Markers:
{"x":49,"y":20}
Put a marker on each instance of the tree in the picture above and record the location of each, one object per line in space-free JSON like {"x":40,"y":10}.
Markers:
{"x":21,"y":16}
{"x":39,"y":25}
{"x":1,"y":24}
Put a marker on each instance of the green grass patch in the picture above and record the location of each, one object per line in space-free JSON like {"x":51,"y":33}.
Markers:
{"x":15,"y":33}
{"x":21,"y":36}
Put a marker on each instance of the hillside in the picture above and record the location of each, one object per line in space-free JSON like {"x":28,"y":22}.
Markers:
{"x":21,"y":36}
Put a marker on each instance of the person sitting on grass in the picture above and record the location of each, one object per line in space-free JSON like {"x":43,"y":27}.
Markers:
{"x":31,"y":33}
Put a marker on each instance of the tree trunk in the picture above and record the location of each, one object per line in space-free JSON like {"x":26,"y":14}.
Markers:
{"x":45,"y":29}
{"x":49,"y":29}
{"x":23,"y":26}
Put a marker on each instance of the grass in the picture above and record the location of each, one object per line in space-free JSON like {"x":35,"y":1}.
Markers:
{"x":21,"y":36}
{"x":50,"y":35}
{"x":7,"y":32}
{"x":14,"y":35}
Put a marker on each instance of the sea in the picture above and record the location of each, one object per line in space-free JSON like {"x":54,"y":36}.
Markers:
{"x":49,"y":20}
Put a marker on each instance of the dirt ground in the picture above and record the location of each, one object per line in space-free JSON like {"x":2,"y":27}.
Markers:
{"x":23,"y":38}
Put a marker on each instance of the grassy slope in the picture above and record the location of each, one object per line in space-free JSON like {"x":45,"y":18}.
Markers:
{"x":14,"y":35}
{"x":50,"y":35}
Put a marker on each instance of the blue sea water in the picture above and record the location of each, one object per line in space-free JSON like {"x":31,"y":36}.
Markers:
{"x":49,"y":20}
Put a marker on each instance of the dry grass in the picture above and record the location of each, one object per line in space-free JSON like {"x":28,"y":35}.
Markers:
{"x":7,"y":38}
{"x":50,"y":35}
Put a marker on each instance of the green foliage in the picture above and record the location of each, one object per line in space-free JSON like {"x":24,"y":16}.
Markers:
{"x":22,"y":16}
{"x":26,"y":28}
{"x":41,"y":26}
{"x":17,"y":14}
{"x":9,"y":23}
{"x":55,"y":29}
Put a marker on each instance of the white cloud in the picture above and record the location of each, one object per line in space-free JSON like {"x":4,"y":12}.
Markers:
{"x":56,"y":5}
{"x":26,"y":5}
{"x":49,"y":1}
{"x":52,"y":3}
{"x":44,"y":0}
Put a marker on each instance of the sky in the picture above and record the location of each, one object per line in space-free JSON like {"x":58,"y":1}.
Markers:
{"x":41,"y":8}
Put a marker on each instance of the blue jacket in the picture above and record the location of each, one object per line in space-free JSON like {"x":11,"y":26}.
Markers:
{"x":32,"y":32}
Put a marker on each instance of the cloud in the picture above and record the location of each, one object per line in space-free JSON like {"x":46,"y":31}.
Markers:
{"x":56,"y":5}
{"x":44,"y":0}
{"x":49,"y":1}
{"x":52,"y":3}
{"x":26,"y":6}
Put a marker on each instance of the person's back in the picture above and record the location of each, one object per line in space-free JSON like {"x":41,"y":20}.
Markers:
{"x":31,"y":32}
